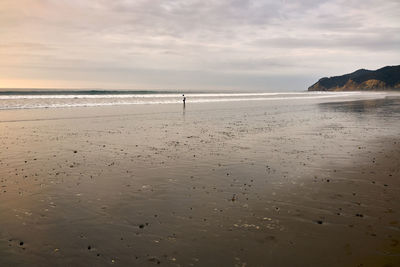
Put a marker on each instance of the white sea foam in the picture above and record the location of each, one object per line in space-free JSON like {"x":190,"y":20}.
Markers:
{"x":37,"y":101}
{"x":107,"y":96}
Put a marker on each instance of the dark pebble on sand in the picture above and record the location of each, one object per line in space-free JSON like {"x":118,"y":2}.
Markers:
{"x":155,"y":260}
{"x":359,"y":215}
{"x":21,"y":243}
{"x":89,"y":247}
{"x":319,"y":222}
{"x":75,"y":151}
{"x":141,"y":226}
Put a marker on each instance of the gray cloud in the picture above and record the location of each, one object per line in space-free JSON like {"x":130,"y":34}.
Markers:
{"x":374,"y":40}
{"x":256,"y":40}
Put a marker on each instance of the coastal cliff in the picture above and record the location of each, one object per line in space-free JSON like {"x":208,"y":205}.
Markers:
{"x":386,"y":78}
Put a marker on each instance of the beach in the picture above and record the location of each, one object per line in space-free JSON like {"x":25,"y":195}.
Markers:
{"x":247,"y":181}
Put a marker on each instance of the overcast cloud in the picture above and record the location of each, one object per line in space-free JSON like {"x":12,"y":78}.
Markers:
{"x":193,"y":44}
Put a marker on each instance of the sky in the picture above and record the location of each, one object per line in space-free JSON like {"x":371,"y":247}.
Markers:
{"x":249,"y":45}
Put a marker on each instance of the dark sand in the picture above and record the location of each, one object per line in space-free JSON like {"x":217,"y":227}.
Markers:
{"x":231,"y":184}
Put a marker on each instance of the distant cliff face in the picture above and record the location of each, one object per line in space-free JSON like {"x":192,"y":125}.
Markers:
{"x":387,"y":78}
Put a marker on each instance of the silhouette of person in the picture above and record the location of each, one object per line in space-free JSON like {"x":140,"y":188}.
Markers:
{"x":184,"y":99}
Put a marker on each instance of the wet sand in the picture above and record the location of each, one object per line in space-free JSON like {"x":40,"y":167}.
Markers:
{"x":307,"y":183}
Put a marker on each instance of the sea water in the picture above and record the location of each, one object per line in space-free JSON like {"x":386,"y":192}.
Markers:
{"x":36,"y":99}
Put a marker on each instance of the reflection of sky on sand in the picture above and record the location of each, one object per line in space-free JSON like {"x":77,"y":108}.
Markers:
{"x":373,"y":115}
{"x":387,"y":106}
{"x":229,"y":183}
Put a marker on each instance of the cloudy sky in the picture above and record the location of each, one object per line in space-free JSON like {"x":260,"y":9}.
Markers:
{"x":193,"y":44}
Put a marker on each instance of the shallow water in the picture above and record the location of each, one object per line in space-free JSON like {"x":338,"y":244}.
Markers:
{"x":261,"y":183}
{"x":70,"y":99}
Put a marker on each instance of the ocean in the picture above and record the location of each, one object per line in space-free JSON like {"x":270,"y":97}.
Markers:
{"x":37,"y":99}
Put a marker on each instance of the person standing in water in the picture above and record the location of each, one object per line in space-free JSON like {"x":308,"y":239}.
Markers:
{"x":184,"y":99}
